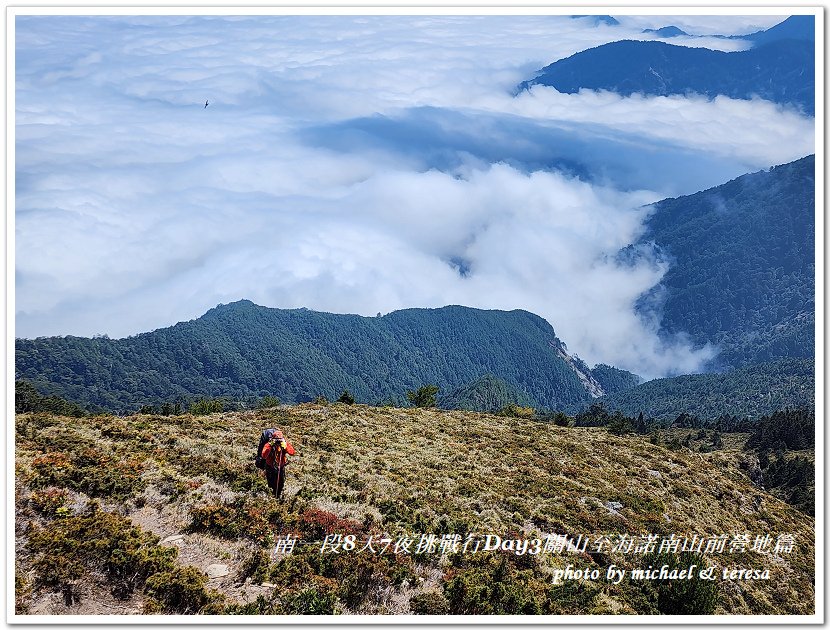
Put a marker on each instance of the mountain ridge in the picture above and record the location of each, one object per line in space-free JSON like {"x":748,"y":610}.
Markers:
{"x":779,"y":70}
{"x":245,"y":351}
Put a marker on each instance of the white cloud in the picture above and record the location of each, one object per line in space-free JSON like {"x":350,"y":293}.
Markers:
{"x":723,"y":126}
{"x":137,"y":207}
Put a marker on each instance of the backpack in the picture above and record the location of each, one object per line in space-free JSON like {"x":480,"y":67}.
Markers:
{"x":266,"y":436}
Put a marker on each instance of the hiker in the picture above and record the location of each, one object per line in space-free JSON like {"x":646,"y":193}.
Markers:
{"x":274,"y":450}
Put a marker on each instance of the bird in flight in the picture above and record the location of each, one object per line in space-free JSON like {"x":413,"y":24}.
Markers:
{"x":206,"y":104}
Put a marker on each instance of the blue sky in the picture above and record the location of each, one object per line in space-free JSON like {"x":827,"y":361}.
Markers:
{"x":356,"y":164}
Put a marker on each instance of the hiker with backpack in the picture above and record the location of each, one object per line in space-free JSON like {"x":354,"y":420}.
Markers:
{"x":271,"y":456}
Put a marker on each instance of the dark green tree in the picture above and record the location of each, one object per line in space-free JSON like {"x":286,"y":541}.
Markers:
{"x":268,"y":401}
{"x":28,"y":399}
{"x":424,"y":396}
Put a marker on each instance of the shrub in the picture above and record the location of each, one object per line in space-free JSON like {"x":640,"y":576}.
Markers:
{"x":357,"y":578}
{"x":515,"y":411}
{"x":170,"y":409}
{"x":69,"y":548}
{"x":315,"y":524}
{"x":570,"y":597}
{"x":252,"y":520}
{"x":317,"y":600}
{"x":180,"y":590}
{"x":618,"y":424}
{"x":260,"y":606}
{"x":429,"y":603}
{"x":492,"y":586}
{"x":90,"y":471}
{"x":256,"y":566}
{"x":560,"y":419}
{"x":48,"y":501}
{"x":682,"y":597}
{"x":674,"y":444}
{"x":221,"y":520}
{"x":267,"y":402}
{"x":346,"y":398}
{"x":22,"y":591}
{"x":206,"y":406}
{"x":596,"y":415}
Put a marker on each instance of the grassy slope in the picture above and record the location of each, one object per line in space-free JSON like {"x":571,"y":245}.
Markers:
{"x":396,"y":470}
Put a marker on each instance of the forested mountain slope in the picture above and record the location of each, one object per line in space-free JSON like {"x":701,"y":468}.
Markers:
{"x":776,"y":69}
{"x":742,"y":266}
{"x":245,"y":351}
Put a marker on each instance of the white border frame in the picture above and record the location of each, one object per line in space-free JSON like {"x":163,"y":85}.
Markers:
{"x":339,"y":7}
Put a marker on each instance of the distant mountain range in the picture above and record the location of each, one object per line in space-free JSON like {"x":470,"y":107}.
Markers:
{"x":800,"y":27}
{"x":666,"y":31}
{"x":780,"y":68}
{"x":244,"y":352}
{"x":597,"y":20}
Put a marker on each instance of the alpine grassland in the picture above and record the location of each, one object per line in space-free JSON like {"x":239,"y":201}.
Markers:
{"x":152,"y":514}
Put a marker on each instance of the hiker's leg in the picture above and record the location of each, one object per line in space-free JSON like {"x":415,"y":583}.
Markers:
{"x":271,"y":476}
{"x":280,"y":482}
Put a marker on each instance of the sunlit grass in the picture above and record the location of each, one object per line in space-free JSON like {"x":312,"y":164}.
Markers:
{"x":392,"y":471}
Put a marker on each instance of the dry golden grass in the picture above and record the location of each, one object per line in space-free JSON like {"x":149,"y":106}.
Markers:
{"x":397,"y":471}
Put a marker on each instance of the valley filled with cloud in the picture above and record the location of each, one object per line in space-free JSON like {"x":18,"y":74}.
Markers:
{"x":359,"y":164}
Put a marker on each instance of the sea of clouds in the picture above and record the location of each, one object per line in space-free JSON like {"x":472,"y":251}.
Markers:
{"x":357,"y":164}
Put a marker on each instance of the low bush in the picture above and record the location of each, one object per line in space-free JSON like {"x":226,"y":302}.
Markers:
{"x":48,"y":501}
{"x":491,"y":585}
{"x":429,"y":603}
{"x":267,"y":402}
{"x":319,"y":599}
{"x":243,"y":518}
{"x":221,"y":520}
{"x":69,"y":548}
{"x":516,"y":411}
{"x":90,"y":471}
{"x":257,"y":566}
{"x":314,"y":524}
{"x":681,"y":597}
{"x":424,"y":396}
{"x":179,"y":591}
{"x":260,"y":606}
{"x":207,"y":406}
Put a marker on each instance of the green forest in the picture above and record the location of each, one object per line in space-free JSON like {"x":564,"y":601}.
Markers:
{"x":742,"y":266}
{"x":746,"y":392}
{"x":244,"y":352}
